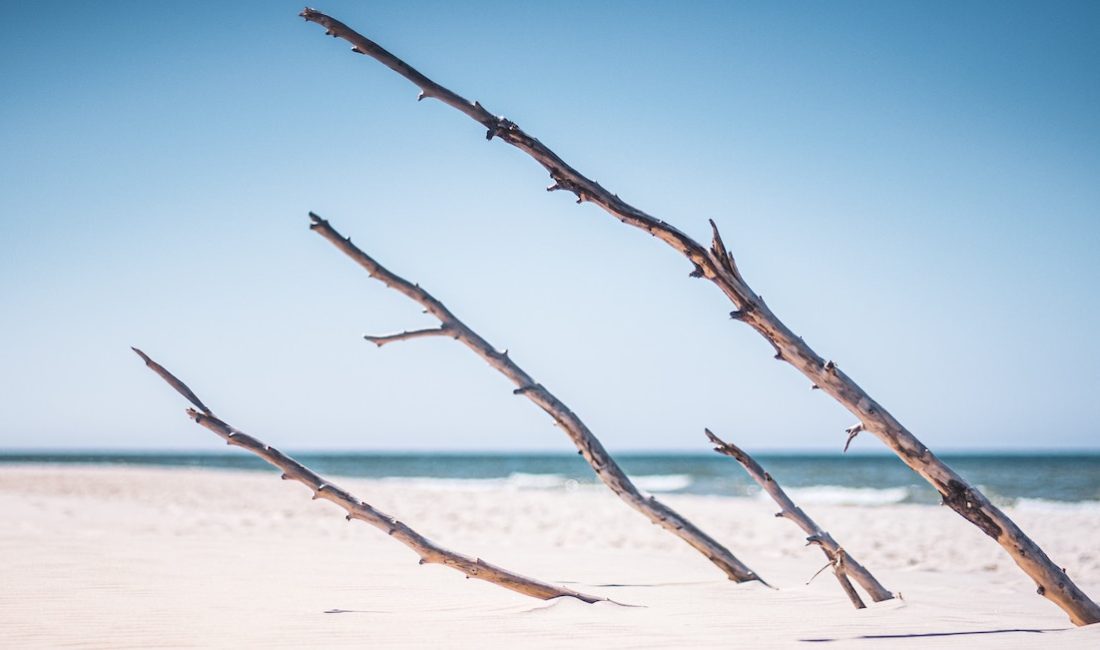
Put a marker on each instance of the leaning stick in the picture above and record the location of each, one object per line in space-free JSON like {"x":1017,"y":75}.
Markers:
{"x":429,"y":551}
{"x":587,"y":444}
{"x":842,"y":563}
{"x":718,"y":266}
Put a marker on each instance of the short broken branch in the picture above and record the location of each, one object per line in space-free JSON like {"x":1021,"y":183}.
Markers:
{"x":841,"y":563}
{"x":852,"y":431}
{"x":588,"y":445}
{"x":429,"y":552}
{"x":404,"y":336}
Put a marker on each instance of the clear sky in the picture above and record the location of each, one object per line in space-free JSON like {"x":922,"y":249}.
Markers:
{"x":913,"y":186}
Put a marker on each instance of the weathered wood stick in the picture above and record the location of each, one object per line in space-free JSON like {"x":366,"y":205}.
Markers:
{"x":718,"y":266}
{"x":429,"y":551}
{"x":843,"y":564}
{"x":587,"y":444}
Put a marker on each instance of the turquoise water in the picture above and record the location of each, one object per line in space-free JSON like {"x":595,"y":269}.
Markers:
{"x":1008,"y":479}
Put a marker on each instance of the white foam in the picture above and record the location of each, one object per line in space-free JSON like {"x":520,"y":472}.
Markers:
{"x":663,"y":482}
{"x":1049,"y":505}
{"x":526,"y":481}
{"x":437,"y":483}
{"x":514,"y":481}
{"x":846,"y":496}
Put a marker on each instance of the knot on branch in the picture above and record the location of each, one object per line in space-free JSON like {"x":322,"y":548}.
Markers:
{"x":960,"y":497}
{"x":563,"y":183}
{"x":743,"y":313}
{"x":498,"y":126}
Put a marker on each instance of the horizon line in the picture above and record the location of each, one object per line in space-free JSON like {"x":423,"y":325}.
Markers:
{"x":74,"y":451}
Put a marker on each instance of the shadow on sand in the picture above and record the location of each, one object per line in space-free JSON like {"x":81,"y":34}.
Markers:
{"x":921,"y":635}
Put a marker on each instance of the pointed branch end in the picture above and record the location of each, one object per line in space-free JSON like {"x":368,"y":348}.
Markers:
{"x":720,"y":446}
{"x":144,"y":357}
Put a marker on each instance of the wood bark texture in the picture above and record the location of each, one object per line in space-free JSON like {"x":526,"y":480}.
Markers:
{"x":843,"y":563}
{"x":718,"y":266}
{"x":429,"y":551}
{"x":587,"y":444}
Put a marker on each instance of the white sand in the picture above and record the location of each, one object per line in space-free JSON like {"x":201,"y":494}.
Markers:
{"x":121,"y":557}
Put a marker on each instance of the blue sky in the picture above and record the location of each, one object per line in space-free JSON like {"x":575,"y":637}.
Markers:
{"x":914,"y":188}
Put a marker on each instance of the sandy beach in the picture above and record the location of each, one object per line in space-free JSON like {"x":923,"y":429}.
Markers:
{"x":96,"y":556}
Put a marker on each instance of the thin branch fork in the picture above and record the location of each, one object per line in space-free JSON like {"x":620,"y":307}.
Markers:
{"x":957,"y":494}
{"x":405,"y":336}
{"x":429,"y":551}
{"x":587,"y":444}
{"x":842,"y":563}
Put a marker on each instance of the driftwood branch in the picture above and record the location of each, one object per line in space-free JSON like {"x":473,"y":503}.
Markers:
{"x":960,"y":496}
{"x":587,"y":444}
{"x":842,"y":563}
{"x":429,"y":551}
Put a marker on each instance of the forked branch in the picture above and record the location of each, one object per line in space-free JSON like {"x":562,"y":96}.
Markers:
{"x":404,"y":336}
{"x":429,"y":551}
{"x":842,"y":563}
{"x":960,"y":496}
{"x":587,"y":444}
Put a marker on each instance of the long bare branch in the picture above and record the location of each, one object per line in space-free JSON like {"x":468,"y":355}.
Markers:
{"x":429,"y":551}
{"x":960,"y":496}
{"x":842,"y":563}
{"x":587,"y":444}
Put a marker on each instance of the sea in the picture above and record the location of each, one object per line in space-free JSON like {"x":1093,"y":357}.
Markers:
{"x":1041,"y":480}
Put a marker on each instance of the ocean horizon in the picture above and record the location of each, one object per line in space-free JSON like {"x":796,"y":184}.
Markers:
{"x":1009,"y":478}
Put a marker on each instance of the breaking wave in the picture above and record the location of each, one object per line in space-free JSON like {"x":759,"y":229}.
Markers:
{"x":837,"y":495}
{"x":526,"y":481}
